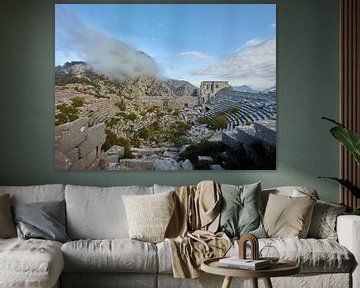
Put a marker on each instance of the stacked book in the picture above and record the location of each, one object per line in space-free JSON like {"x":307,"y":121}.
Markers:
{"x":248,"y":264}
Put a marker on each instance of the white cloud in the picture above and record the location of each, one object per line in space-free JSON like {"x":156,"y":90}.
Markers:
{"x":273,"y":25}
{"x":196,"y":55}
{"x":254,"y":65}
{"x":253,"y":42}
{"x":104,"y":53}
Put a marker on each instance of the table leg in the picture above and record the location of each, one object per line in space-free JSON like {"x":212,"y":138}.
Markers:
{"x":267,"y":283}
{"x":227,"y":282}
{"x":254,"y":282}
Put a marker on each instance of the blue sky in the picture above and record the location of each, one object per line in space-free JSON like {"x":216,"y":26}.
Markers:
{"x":193,"y":42}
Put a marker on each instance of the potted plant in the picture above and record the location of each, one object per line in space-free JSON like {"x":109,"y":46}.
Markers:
{"x":351,"y":141}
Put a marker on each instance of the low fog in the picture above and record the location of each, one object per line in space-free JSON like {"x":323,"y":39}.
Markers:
{"x":106,"y":55}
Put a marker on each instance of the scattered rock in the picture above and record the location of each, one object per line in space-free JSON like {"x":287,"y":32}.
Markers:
{"x":216,"y":167}
{"x":95,"y":137}
{"x":70,"y":135}
{"x":62,"y":162}
{"x":166,"y":164}
{"x":112,"y":156}
{"x":80,"y":145}
{"x":205,"y":158}
{"x":85,"y":162}
{"x":187,"y":165}
{"x":136,"y":164}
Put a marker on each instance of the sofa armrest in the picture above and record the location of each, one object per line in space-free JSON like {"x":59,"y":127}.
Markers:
{"x":348,"y":230}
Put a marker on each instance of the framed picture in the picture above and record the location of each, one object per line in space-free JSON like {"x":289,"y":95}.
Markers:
{"x":165,"y":87}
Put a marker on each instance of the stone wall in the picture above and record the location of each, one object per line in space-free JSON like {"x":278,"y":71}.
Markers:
{"x":171,"y":102}
{"x":208,"y":89}
{"x":78,"y":146}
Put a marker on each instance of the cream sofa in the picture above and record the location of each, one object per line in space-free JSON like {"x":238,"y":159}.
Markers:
{"x":101,"y":254}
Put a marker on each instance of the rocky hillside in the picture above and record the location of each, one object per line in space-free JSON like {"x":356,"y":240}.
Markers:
{"x":142,"y":111}
{"x":130,"y":88}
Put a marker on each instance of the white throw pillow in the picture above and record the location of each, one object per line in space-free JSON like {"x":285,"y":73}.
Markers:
{"x":149,"y":215}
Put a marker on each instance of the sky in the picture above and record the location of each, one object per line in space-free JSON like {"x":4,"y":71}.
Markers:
{"x":192,"y":42}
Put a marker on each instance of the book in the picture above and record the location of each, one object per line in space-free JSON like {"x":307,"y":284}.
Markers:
{"x":236,"y":262}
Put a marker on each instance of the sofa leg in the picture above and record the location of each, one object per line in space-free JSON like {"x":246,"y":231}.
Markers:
{"x":267,"y":283}
{"x":227,"y":282}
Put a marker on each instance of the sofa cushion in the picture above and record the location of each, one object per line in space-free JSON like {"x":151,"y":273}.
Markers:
{"x":98,"y":213}
{"x":30,"y":263}
{"x":117,"y":255}
{"x":287,"y":216}
{"x":43,"y":220}
{"x":240,"y":210}
{"x":313,"y":255}
{"x":323,"y":222}
{"x":149,"y":215}
{"x":7,"y":226}
{"x":109,"y":280}
{"x":35,"y":193}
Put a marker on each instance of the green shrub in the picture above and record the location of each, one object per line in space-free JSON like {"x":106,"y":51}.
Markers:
{"x":131,"y":116}
{"x":78,"y":101}
{"x":67,"y":113}
{"x":179,"y":141}
{"x":112,"y":122}
{"x":203,"y":120}
{"x":234,"y":110}
{"x":113,"y":139}
{"x":219,"y":122}
{"x":121,"y":105}
{"x":176,"y":112}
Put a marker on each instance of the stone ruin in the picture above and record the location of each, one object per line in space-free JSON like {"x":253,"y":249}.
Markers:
{"x":78,"y":146}
{"x":208,"y":90}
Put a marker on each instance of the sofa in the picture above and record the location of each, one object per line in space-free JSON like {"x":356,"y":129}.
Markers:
{"x":101,"y":254}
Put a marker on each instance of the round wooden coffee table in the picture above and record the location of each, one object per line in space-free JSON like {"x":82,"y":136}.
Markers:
{"x":281,"y":268}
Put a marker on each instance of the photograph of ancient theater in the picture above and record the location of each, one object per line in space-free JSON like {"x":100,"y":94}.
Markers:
{"x":165,"y":87}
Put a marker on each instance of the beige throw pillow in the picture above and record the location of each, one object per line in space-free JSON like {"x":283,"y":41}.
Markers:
{"x":288,"y":217}
{"x":149,"y":215}
{"x":7,"y":226}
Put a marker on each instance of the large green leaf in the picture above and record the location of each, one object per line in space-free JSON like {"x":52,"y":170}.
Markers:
{"x":349,"y":139}
{"x":348,"y":185}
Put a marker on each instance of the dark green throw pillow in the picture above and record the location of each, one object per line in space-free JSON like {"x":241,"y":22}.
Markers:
{"x":43,"y":220}
{"x":240,"y":213}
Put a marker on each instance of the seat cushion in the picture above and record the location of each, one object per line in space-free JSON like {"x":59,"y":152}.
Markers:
{"x":30,"y":263}
{"x":313,"y":255}
{"x":117,"y":255}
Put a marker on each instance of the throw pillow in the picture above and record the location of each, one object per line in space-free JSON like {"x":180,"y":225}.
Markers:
{"x":44,"y":220}
{"x":149,"y":215}
{"x":288,"y":217}
{"x":240,"y":213}
{"x":323,"y":222}
{"x":7,"y":227}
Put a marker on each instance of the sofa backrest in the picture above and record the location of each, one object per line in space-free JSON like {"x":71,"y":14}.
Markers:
{"x":98,"y":212}
{"x":35,"y":193}
{"x":293,"y":191}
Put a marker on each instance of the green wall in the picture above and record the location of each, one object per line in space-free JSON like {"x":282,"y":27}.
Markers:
{"x":307,"y":81}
